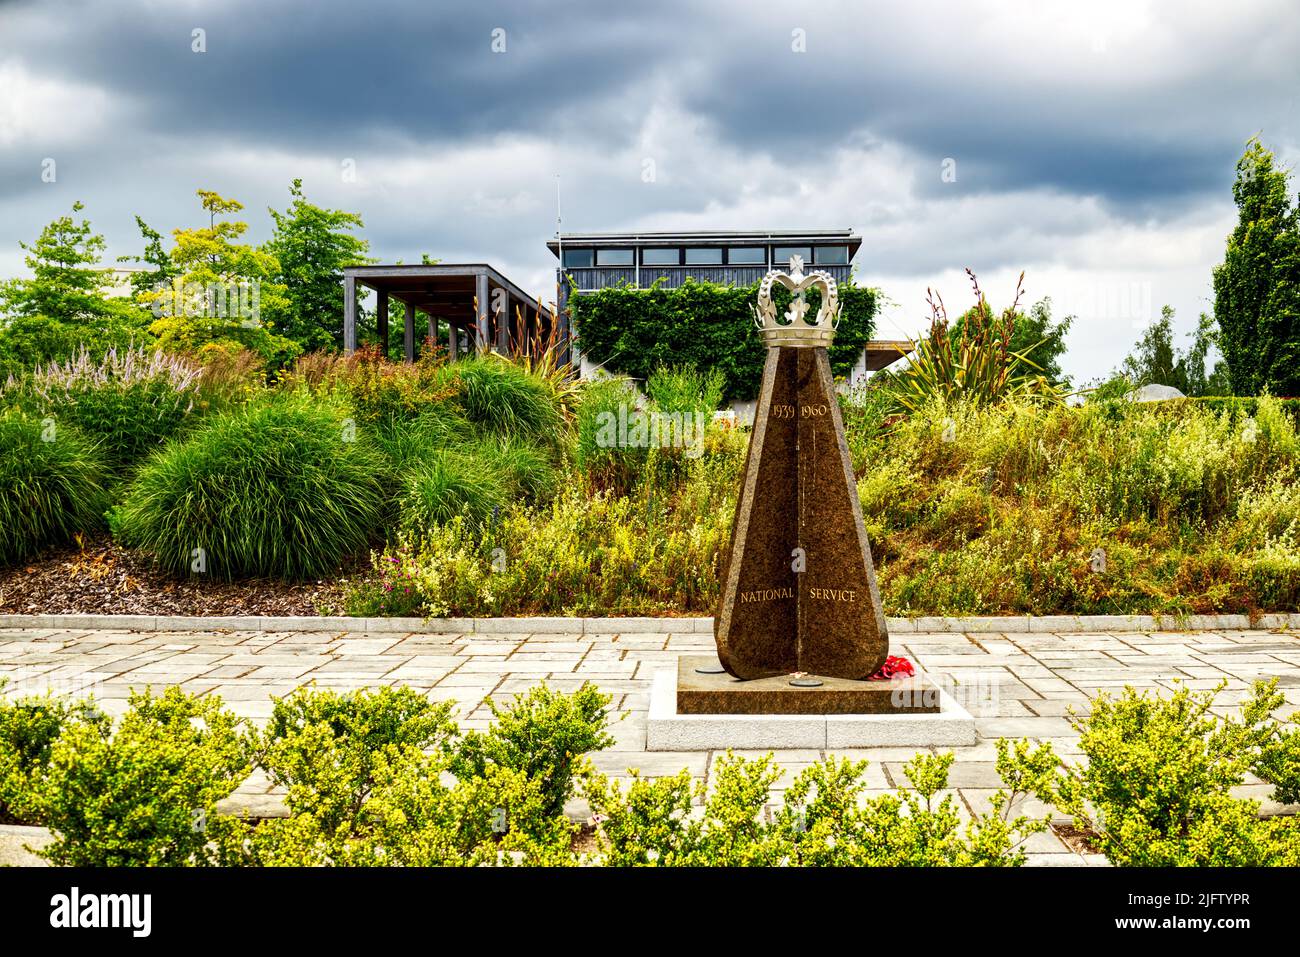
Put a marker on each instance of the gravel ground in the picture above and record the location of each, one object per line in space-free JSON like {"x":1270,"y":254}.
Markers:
{"x":104,"y":579}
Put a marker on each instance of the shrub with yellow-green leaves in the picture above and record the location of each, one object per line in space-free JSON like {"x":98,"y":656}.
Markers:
{"x":824,"y":819}
{"x":1155,"y":790}
{"x":143,"y":793}
{"x":29,"y":728}
{"x":1165,"y":508}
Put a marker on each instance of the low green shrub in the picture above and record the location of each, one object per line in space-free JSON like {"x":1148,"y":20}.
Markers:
{"x":52,"y":484}
{"x":1155,"y":790}
{"x":326,"y":747}
{"x":131,"y":401}
{"x":28,"y":729}
{"x":145,"y":793}
{"x":284,"y":488}
{"x":543,"y":734}
{"x":825,"y":819}
{"x":368,"y":778}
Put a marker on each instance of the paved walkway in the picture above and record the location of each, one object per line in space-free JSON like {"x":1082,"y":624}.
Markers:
{"x":1016,"y":684}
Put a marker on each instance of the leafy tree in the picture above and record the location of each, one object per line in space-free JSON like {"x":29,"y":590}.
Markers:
{"x":312,"y":245}
{"x":163,"y":271}
{"x":1257,"y":287}
{"x":1155,"y":359}
{"x":223,"y":294}
{"x":67,"y":302}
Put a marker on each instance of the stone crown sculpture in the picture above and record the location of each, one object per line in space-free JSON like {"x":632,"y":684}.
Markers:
{"x":797,"y":331}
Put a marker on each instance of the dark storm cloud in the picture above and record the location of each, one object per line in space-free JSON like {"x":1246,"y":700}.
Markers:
{"x":300,"y":72}
{"x":331,"y":77}
{"x":1090,"y":139}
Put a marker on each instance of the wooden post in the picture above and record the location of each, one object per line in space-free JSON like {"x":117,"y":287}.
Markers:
{"x":433,"y":331}
{"x":381,"y":320}
{"x":408,"y":333}
{"x":503,"y":323}
{"x":453,"y":340}
{"x":481,"y":344}
{"x":349,"y":315}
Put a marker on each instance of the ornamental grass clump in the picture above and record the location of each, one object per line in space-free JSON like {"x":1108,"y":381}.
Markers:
{"x":52,"y":484}
{"x":283,"y":488}
{"x":131,"y":401}
{"x":502,"y":398}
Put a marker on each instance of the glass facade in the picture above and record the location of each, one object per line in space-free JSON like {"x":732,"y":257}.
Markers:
{"x":577,"y":258}
{"x":781,"y":255}
{"x":747,"y":255}
{"x":704,"y":256}
{"x":831,"y":255}
{"x":660,"y":257}
{"x":614,"y":257}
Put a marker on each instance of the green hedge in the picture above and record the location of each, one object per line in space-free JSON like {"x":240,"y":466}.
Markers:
{"x":707,"y":325}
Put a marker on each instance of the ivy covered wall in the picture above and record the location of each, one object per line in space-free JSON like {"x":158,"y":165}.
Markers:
{"x":710,"y":326}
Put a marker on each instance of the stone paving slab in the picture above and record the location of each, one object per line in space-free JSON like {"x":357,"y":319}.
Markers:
{"x":1016,"y":676}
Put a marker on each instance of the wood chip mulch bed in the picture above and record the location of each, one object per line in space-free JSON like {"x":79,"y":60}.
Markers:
{"x":102,"y":578}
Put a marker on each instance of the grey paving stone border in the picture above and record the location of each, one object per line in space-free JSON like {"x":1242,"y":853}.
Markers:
{"x":1059,"y":624}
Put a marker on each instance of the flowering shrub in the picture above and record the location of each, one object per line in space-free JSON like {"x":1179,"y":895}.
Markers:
{"x":130,"y":401}
{"x":1164,"y":508}
{"x":577,"y":555}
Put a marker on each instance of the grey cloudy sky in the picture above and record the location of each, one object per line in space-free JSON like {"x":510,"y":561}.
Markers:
{"x":1093,"y":144}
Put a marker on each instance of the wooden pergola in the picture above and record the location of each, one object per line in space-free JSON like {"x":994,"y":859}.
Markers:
{"x":483,"y":309}
{"x":884,"y":352}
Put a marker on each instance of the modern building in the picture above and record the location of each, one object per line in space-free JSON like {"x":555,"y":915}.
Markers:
{"x":596,"y":260}
{"x":592,"y":261}
{"x":482,"y":309}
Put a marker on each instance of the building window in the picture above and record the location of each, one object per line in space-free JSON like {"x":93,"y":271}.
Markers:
{"x":832,"y":255}
{"x":661,"y":257}
{"x":781,"y":255}
{"x":614,"y":257}
{"x":704,"y":256}
{"x":747,"y":255}
{"x":577,"y":258}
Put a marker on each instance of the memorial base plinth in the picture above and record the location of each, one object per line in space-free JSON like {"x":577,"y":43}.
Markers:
{"x":711,"y":693}
{"x":770,"y":713}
